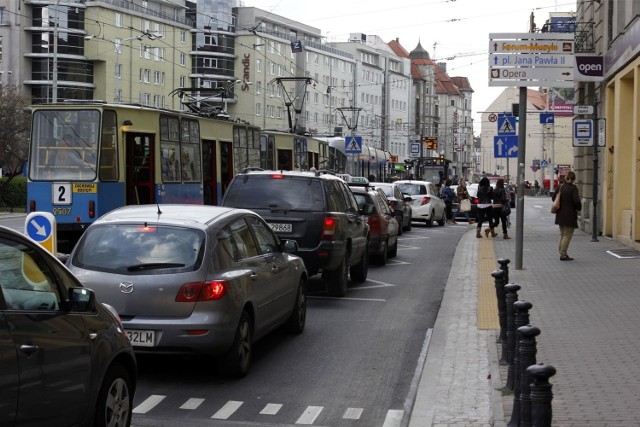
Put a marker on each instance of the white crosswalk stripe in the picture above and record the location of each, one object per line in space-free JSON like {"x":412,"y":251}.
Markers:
{"x":353,"y":413}
{"x":310,"y":414}
{"x":271,"y":409}
{"x":227,"y":410}
{"x":192,"y":403}
{"x":148,"y":404}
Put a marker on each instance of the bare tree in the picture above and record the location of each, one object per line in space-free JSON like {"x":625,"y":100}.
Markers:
{"x":15,"y":125}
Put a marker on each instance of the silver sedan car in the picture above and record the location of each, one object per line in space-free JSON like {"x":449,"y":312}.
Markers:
{"x":188,"y":279}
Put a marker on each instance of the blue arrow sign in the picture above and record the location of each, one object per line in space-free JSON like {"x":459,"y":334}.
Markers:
{"x":505,"y":146}
{"x":547,"y":118}
{"x":506,"y":125}
{"x":353,"y":144}
{"x":39,"y":228}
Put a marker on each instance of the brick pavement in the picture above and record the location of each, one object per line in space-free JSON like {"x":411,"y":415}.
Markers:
{"x":585,"y":309}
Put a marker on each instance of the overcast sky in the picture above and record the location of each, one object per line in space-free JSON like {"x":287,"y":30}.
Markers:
{"x":452,"y":31}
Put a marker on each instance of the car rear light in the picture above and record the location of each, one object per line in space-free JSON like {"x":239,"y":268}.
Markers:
{"x":425,"y":200}
{"x":277,"y":176}
{"x":202,"y":291}
{"x":92,"y":209}
{"x":328,"y":228}
{"x":375,"y":225}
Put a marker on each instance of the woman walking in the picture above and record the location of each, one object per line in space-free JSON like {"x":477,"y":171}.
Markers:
{"x":567,"y":215}
{"x":462,"y":194}
{"x":500,"y":210}
{"x":483,"y":209}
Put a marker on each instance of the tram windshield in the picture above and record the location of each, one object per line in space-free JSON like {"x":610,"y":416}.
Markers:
{"x":64,"y":145}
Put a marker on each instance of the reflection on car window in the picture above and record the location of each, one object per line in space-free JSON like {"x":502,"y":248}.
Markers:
{"x":140,"y":248}
{"x":242,"y":239}
{"x":25,"y":279}
{"x":284,"y":194}
{"x":267,"y":242}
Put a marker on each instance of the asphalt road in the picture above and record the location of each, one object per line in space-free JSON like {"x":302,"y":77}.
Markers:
{"x":356,"y":364}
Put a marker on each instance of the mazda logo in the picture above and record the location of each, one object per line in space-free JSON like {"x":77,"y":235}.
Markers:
{"x":126,"y":287}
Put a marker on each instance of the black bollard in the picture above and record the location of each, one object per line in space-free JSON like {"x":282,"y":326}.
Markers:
{"x":527,"y":352}
{"x":541,"y":394}
{"x":511,"y":291}
{"x":521,"y":309}
{"x":504,"y":266}
{"x":498,"y":276}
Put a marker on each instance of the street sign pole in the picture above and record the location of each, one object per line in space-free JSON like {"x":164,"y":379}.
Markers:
{"x":522,"y":149}
{"x":594,"y":216}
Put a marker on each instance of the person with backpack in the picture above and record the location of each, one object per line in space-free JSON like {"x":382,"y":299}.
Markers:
{"x":500,"y":210}
{"x":485,"y":203}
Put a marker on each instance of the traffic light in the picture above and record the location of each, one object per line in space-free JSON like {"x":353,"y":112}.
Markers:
{"x":515,"y":111}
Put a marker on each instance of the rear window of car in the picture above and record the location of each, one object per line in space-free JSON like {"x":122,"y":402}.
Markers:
{"x":387,"y":189}
{"x":413,"y":189}
{"x":140,"y":249}
{"x":267,"y":192}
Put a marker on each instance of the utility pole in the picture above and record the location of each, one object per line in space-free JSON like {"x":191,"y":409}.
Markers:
{"x":54,"y":84}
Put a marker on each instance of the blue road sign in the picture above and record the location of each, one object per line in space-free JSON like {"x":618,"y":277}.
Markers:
{"x":505,"y":146}
{"x":547,"y":118}
{"x":353,"y":144}
{"x":506,"y":124}
{"x":39,"y":228}
{"x":544,"y":164}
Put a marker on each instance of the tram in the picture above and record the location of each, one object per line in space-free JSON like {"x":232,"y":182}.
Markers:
{"x":370,"y":161}
{"x":87,"y":158}
{"x":281,"y":150}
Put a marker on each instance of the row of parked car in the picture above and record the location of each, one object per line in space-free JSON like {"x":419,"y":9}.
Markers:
{"x":177,"y":279}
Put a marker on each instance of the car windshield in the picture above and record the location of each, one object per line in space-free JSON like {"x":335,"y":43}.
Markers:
{"x":276,"y":194}
{"x":138,"y":248}
{"x":388,"y":190}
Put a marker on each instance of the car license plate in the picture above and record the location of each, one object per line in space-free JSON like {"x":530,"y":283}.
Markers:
{"x":281,"y":228}
{"x":140,"y":338}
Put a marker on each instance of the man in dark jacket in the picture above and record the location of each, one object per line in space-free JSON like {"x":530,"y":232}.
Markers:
{"x":567,"y":215}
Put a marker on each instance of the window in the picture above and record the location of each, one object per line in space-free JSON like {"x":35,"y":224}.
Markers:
{"x":267,"y":242}
{"x":258,"y":65}
{"x":258,"y":109}
{"x":27,"y":282}
{"x":156,"y":78}
{"x":146,"y":76}
{"x":183,"y":37}
{"x":145,"y":98}
{"x":118,"y":19}
{"x":183,"y":59}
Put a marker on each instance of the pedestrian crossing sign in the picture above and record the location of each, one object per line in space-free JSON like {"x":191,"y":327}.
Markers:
{"x":506,"y":124}
{"x":353,"y":144}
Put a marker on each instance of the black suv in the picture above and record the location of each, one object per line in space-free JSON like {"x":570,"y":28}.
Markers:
{"x":319,"y":211}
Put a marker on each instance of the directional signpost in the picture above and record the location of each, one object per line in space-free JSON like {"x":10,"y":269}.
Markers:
{"x":41,"y":227}
{"x":531,"y":59}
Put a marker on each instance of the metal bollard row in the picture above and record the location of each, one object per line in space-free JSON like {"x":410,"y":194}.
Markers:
{"x":528,"y":380}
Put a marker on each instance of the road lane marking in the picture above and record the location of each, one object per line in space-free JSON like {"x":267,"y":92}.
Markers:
{"x":227,"y":410}
{"x":345,"y":298}
{"x":148,"y":404}
{"x":192,"y":403}
{"x":310,"y":414}
{"x":271,"y":409}
{"x":353,"y":413}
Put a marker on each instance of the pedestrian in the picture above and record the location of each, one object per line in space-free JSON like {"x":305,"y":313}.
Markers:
{"x":500,"y":210}
{"x":448,"y":196}
{"x":536,"y":186}
{"x":372,"y":178}
{"x":462,"y":194}
{"x":483,"y":208}
{"x":567,"y":215}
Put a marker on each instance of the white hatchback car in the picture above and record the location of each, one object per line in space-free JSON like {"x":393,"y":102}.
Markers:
{"x":426,"y":204}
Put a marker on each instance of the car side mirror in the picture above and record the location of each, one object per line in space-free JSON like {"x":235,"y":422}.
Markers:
{"x":289,"y":246}
{"x":82,"y":300}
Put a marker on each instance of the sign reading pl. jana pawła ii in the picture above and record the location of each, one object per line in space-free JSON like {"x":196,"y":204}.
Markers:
{"x":539,"y":59}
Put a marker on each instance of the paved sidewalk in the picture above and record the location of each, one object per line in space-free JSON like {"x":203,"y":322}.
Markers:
{"x":585,"y":309}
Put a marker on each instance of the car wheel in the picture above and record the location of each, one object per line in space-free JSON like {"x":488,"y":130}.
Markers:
{"x":381,"y":258}
{"x":236,"y":361}
{"x":115,"y":399}
{"x":360,"y":271}
{"x":394,"y":250}
{"x":443,"y":220}
{"x":337,"y":279}
{"x":298,"y":318}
